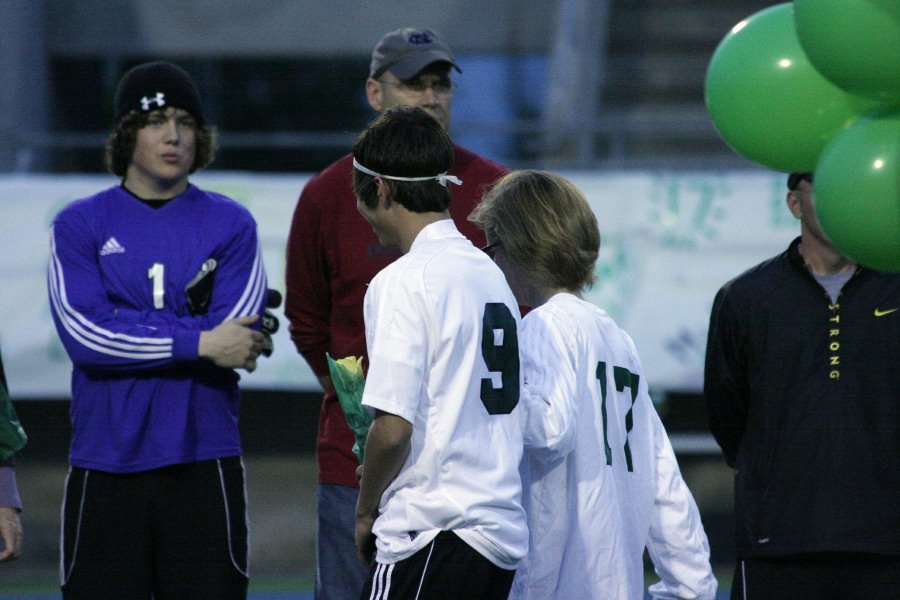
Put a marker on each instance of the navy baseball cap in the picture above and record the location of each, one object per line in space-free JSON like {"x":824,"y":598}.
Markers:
{"x":407,"y":51}
{"x":794,"y":179}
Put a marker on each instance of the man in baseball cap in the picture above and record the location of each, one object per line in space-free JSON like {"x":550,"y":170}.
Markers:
{"x":411,"y":67}
{"x":407,"y":51}
{"x":333,"y":254}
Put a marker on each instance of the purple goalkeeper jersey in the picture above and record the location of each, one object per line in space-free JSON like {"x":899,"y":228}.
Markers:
{"x":141,"y":397}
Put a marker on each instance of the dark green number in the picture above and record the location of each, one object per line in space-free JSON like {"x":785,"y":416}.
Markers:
{"x":503,"y":358}
{"x":623,"y":379}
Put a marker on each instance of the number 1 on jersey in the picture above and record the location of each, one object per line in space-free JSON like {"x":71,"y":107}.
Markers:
{"x":156,"y":274}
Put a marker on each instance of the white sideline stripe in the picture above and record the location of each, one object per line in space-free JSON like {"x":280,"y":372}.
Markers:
{"x":694,"y":443}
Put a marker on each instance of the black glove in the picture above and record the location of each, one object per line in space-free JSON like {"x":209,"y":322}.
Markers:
{"x":199,"y":289}
{"x":270,"y":321}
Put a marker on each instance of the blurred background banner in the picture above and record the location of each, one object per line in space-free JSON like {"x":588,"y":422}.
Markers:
{"x":669,"y":241}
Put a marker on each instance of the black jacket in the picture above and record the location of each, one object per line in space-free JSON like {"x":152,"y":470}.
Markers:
{"x":804,"y":398}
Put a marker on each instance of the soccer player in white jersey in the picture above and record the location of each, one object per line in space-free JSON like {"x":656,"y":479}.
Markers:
{"x":600,"y":477}
{"x":440,"y":494}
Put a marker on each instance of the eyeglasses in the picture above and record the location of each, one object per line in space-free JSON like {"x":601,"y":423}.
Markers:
{"x":489,"y":249}
{"x":418,"y":86}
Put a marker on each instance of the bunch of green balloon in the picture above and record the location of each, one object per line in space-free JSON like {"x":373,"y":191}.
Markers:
{"x":768,"y":101}
{"x":814,"y":85}
{"x":857,"y":188}
{"x":855,"y":44}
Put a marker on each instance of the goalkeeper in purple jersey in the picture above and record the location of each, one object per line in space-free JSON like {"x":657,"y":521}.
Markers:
{"x":156,"y":289}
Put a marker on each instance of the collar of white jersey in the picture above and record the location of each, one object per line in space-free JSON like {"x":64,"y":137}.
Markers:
{"x":442,"y":178}
{"x":439,"y":230}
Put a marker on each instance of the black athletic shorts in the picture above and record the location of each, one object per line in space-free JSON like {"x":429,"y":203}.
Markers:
{"x":445,"y":569}
{"x":178,"y":532}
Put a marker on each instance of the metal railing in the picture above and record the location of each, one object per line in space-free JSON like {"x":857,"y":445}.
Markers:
{"x":693,"y":137}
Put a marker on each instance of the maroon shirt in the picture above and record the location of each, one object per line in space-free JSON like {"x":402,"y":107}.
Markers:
{"x":332,"y":255}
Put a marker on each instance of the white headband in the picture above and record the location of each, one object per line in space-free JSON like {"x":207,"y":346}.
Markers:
{"x":442,"y":178}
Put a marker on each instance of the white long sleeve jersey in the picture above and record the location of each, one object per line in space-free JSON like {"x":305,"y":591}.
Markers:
{"x":600,"y":478}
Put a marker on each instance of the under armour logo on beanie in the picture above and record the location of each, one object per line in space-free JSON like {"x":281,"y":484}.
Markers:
{"x":159,"y":99}
{"x":154,"y":85}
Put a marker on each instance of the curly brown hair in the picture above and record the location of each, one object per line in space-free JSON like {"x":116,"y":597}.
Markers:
{"x":120,"y":144}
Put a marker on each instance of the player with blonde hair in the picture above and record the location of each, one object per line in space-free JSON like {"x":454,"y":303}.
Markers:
{"x":600,"y":478}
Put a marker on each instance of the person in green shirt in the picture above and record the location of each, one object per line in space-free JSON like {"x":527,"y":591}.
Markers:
{"x":12,"y":438}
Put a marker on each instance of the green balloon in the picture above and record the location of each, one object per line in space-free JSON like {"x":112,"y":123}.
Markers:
{"x":857,"y":190}
{"x":854,"y":43}
{"x":767,"y":100}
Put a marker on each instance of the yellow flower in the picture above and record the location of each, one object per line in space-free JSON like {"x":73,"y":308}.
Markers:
{"x":349,"y":383}
{"x":353,"y":364}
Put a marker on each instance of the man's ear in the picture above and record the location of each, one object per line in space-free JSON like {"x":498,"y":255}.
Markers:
{"x":373,"y":94}
{"x":384,"y":192}
{"x":793,"y":203}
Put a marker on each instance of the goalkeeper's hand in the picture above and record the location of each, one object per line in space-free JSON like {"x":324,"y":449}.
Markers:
{"x":270,"y":321}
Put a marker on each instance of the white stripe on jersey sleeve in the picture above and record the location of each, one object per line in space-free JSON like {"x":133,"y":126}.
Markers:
{"x":91,"y":335}
{"x":254,"y":291}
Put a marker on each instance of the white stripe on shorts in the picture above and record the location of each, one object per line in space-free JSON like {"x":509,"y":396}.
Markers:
{"x":425,"y":569}
{"x":381,"y":582}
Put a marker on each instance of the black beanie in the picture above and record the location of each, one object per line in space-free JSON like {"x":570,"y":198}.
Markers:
{"x":154,"y":85}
